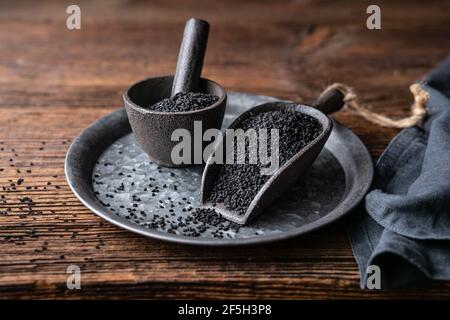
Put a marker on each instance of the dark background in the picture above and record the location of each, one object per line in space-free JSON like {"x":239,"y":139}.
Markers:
{"x":54,"y":82}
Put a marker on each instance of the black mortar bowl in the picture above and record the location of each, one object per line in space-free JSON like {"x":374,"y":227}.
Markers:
{"x":153,"y":129}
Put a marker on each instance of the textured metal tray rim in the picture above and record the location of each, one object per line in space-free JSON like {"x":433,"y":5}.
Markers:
{"x":91,"y":203}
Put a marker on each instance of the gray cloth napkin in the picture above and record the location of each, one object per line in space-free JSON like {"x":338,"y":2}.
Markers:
{"x":404,"y":225}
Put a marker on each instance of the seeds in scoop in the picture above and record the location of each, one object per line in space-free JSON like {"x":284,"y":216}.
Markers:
{"x":238,"y":184}
{"x":184,"y":101}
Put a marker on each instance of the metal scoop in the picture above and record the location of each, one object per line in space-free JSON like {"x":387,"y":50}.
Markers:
{"x":289,"y":172}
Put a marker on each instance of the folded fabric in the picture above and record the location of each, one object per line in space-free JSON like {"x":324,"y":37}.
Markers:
{"x":404,"y":225}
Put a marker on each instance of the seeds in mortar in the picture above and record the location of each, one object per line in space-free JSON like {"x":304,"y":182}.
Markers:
{"x":185,"y":101}
{"x":238,"y":184}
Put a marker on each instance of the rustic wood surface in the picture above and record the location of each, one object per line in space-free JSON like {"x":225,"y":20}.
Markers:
{"x":55,"y":82}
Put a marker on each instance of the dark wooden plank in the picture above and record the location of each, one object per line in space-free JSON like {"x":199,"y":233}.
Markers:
{"x":54,"y":82}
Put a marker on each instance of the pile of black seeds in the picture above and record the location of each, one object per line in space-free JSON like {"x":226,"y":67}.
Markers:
{"x":196,"y":221}
{"x":184,"y":101}
{"x":199,"y":221}
{"x":238,"y":184}
{"x":177,"y":216}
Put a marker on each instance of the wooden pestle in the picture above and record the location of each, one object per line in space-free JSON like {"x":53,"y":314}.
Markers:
{"x":190,"y":58}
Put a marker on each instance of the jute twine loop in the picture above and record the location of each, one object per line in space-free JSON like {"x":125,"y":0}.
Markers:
{"x":418,"y":108}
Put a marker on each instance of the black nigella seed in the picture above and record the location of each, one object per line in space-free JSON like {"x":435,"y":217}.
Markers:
{"x":184,"y":101}
{"x":175,"y":216}
{"x":238,"y":184}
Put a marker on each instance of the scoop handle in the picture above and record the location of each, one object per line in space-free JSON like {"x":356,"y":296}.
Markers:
{"x":190,"y":58}
{"x":329,"y":102}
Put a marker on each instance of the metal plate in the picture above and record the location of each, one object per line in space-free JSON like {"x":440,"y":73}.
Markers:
{"x":106,"y":168}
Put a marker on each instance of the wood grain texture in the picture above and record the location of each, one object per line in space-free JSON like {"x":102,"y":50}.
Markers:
{"x":55,"y":82}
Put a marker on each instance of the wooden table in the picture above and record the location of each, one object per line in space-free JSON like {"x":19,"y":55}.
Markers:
{"x":55,"y":82}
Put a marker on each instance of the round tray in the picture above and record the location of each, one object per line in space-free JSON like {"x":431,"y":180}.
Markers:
{"x":113,"y":177}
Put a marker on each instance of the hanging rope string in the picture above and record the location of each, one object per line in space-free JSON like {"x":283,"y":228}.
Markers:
{"x":418,"y":108}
